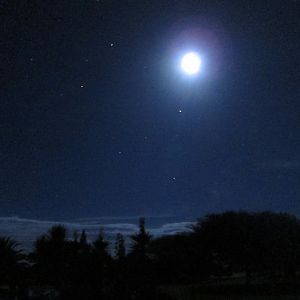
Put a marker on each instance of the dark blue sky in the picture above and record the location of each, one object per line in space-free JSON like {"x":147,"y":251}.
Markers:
{"x":90,"y":99}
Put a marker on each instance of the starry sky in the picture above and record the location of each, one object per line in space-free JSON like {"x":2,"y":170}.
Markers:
{"x":96,"y":118}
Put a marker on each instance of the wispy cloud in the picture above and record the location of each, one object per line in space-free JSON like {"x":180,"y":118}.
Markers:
{"x":172,"y":228}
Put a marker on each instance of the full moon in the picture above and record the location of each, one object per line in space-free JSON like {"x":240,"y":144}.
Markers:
{"x":191,"y":63}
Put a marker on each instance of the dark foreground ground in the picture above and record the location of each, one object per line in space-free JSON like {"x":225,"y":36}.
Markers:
{"x":285,"y":291}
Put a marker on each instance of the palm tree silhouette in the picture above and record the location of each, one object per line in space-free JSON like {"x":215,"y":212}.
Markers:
{"x":12,"y":262}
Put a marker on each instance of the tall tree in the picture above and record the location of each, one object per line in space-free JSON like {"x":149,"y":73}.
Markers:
{"x":50,"y":256}
{"x":100,"y":246}
{"x":141,"y":272}
{"x":120,"y":250}
{"x":141,"y":241}
{"x":83,"y":238}
{"x":100,"y":266}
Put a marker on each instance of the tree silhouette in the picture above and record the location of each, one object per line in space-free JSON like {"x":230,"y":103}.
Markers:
{"x":263,"y":246}
{"x":51,"y":258}
{"x":141,"y":241}
{"x":140,"y":267}
{"x":57,"y":234}
{"x":265,"y":243}
{"x":120,"y":250}
{"x":178,"y":259}
{"x":75,"y":236}
{"x":100,"y":266}
{"x":83,"y":238}
{"x":100,"y":245}
{"x":121,"y":287}
{"x":11,"y":263}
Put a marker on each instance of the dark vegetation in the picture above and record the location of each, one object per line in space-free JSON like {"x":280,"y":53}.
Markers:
{"x":229,"y":253}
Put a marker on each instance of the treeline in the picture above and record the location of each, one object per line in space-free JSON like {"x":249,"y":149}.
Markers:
{"x":261,"y":245}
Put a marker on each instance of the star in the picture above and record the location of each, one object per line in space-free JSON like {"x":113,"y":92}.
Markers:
{"x":111,"y":44}
{"x":180,"y":111}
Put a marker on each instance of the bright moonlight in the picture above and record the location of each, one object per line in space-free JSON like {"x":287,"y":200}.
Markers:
{"x":191,"y":63}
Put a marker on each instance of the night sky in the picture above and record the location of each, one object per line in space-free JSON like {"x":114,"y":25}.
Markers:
{"x":98,"y":119}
